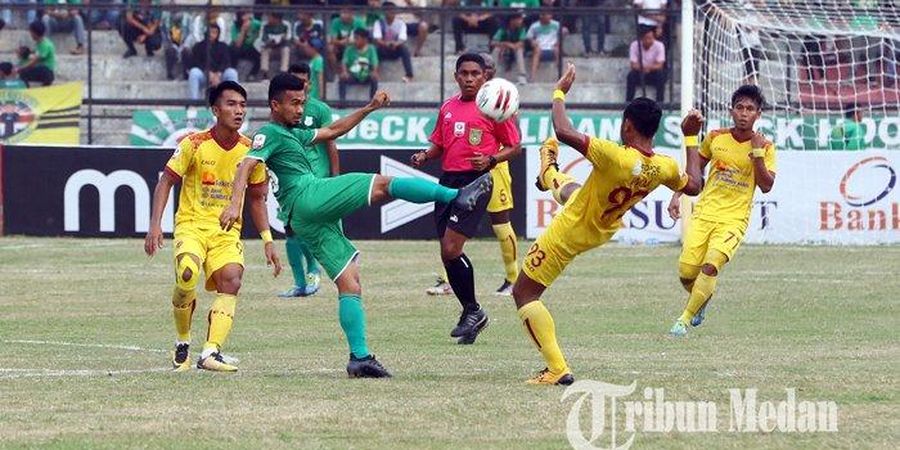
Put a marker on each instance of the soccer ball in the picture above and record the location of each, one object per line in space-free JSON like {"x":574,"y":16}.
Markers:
{"x":498,"y":99}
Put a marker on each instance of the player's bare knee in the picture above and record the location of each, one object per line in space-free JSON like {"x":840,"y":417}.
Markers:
{"x":450,"y":250}
{"x":380,"y":188}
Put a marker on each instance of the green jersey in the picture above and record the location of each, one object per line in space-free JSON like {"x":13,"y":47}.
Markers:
{"x":848,"y":135}
{"x":317,"y":114}
{"x":289,"y":157}
{"x":46,"y":52}
{"x":344,"y":30}
{"x":360,"y":63}
{"x":316,"y":67}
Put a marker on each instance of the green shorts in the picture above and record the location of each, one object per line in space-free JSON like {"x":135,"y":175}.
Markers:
{"x":317,"y":212}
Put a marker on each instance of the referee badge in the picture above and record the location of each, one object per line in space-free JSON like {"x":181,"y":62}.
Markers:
{"x":475,"y":136}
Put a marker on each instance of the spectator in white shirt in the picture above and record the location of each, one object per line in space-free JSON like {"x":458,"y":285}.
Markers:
{"x":390,"y":37}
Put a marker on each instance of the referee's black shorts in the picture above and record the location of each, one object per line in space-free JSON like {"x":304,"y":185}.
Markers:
{"x":457,"y":219}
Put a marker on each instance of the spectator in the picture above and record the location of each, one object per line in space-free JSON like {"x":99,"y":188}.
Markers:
{"x":201,"y":23}
{"x":340,"y":34}
{"x":390,"y":39}
{"x":471,"y":22}
{"x":601,"y":20}
{"x":373,"y":15}
{"x":7,"y":14}
{"x":519,"y":5}
{"x":648,"y":59}
{"x":244,"y":36}
{"x":106,"y":18}
{"x":849,"y":133}
{"x":360,"y":65}
{"x":544,"y":36}
{"x":8,"y":79}
{"x":509,"y":44}
{"x":177,"y":42}
{"x":213,"y":58}
{"x":650,"y":15}
{"x":64,"y":20}
{"x":275,"y":36}
{"x":416,"y":25}
{"x":142,"y":26}
{"x":308,"y":31}
{"x":38,"y":66}
{"x":316,"y":70}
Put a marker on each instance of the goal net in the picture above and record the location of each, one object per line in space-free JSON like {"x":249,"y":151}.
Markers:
{"x":818,"y":62}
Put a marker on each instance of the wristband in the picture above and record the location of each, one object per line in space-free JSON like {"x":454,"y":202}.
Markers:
{"x":559,"y":95}
{"x":691,"y":141}
{"x":266,"y":236}
{"x":758,"y":152}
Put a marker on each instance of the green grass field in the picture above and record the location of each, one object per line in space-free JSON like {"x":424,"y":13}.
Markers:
{"x":85,"y":331}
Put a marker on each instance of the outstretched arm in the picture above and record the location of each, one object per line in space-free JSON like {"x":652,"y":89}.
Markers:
{"x":257,"y":196}
{"x":154,"y":239}
{"x":565,"y":132}
{"x":342,"y":126}
{"x":232,"y":213}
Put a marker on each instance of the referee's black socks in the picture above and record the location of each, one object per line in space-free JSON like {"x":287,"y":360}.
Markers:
{"x":461,"y":277}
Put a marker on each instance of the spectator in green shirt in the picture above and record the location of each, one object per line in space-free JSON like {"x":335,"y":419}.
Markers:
{"x":508,"y":44}
{"x":360,"y":65}
{"x":315,"y":69}
{"x":244,"y":35}
{"x":275,"y":36}
{"x":41,"y":64}
{"x":8,"y":79}
{"x":340,"y":34}
{"x":849,"y":133}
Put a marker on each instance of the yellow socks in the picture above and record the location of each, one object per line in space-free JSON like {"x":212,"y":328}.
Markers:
{"x":221,"y":316}
{"x":508,"y":249}
{"x":183,"y":304}
{"x":704,"y":286}
{"x":539,"y":326}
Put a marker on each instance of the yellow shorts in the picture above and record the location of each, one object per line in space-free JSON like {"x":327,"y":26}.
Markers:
{"x":501,"y":197}
{"x":703,"y":235}
{"x":558,"y":245}
{"x":215,"y":249}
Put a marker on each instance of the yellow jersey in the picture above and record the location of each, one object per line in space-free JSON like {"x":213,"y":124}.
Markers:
{"x":730,"y":185}
{"x":207,"y":171}
{"x":621,"y":177}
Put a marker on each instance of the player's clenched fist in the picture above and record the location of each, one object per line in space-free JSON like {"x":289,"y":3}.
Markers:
{"x":758,"y":140}
{"x":153,"y":241}
{"x":229,"y":216}
{"x":692,"y":123}
{"x":380,"y":100}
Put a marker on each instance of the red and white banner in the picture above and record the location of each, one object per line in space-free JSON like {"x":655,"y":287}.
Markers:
{"x":819,"y":197}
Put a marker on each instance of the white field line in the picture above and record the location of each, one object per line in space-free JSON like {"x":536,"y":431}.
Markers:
{"x":34,"y":373}
{"x":76,"y":344}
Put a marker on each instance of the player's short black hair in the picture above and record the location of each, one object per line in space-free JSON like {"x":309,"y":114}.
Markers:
{"x":645,"y":115}
{"x":6,"y":68}
{"x":302,"y":67}
{"x":470,"y":57}
{"x":216,"y":91}
{"x":850,"y":110}
{"x":37,"y":27}
{"x":361,"y":32}
{"x":284,"y":82}
{"x":751,"y":92}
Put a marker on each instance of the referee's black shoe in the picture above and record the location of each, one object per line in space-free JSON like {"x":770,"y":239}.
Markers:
{"x":470,"y":194}
{"x":470,"y":323}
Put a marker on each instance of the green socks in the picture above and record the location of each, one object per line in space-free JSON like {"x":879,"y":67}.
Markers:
{"x":417,"y":190}
{"x":312,"y":266}
{"x":295,"y":253}
{"x":353,"y":321}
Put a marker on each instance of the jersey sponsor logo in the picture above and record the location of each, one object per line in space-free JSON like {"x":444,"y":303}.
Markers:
{"x":207,"y":162}
{"x":448,"y":116}
{"x":208,"y":179}
{"x":258,"y":141}
{"x":459,"y":129}
{"x":475,"y":136}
